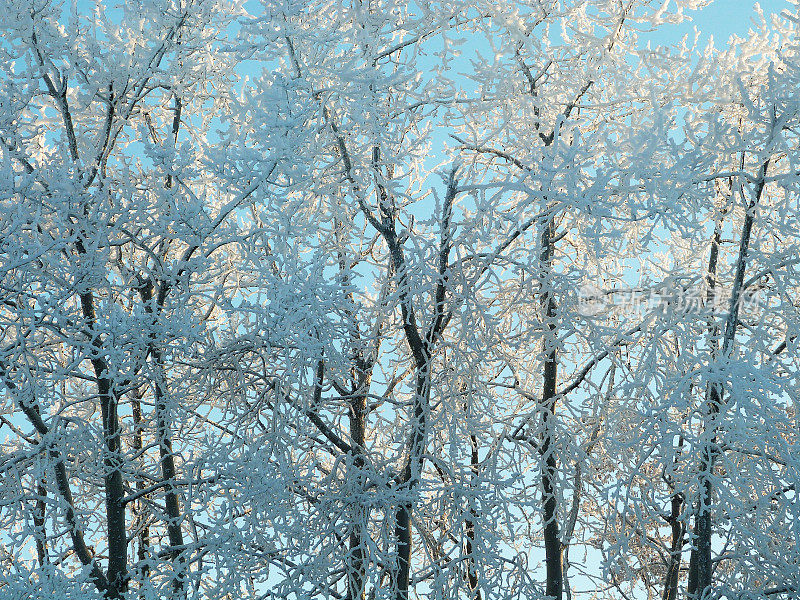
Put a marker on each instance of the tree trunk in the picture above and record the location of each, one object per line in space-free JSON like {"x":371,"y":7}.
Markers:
{"x":421,"y":350}
{"x":674,"y":564}
{"x":552,"y":542}
{"x":700,"y":546}
{"x":356,"y":567}
{"x":409,"y":477}
{"x":164,"y":436}
{"x":678,"y":531}
{"x":38,"y":523}
{"x":140,"y":513}
{"x":700,"y":564}
{"x":117,"y":573}
{"x":472,"y":574}
{"x":114,"y":488}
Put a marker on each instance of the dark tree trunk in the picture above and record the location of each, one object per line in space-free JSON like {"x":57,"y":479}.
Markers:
{"x":674,"y":565}
{"x":140,"y":514}
{"x":164,"y":435}
{"x":700,"y":563}
{"x":114,"y":490}
{"x":356,"y":568}
{"x":472,"y":573}
{"x":117,"y":574}
{"x":554,"y":587}
{"x":673,"y":572}
{"x":38,"y":523}
{"x":408,"y":480}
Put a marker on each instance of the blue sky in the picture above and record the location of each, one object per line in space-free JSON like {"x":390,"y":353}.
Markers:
{"x":721,"y":18}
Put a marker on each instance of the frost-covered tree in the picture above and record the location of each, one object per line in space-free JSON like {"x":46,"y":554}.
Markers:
{"x":713,"y":378}
{"x":116,"y":229}
{"x":324,"y":299}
